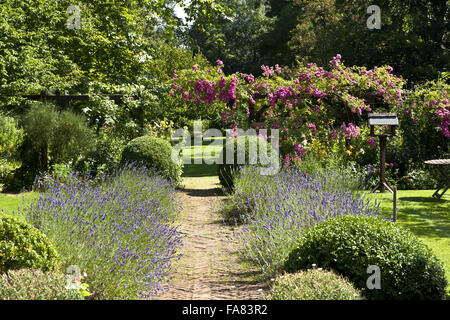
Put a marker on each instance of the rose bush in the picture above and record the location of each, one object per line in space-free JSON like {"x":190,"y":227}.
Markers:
{"x":315,"y":109}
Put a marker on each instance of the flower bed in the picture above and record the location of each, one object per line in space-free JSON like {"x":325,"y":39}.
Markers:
{"x":277,"y":210}
{"x":119,"y":229}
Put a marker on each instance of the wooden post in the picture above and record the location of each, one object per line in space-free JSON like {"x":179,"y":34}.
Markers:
{"x":395,"y":204}
{"x":383,"y":140}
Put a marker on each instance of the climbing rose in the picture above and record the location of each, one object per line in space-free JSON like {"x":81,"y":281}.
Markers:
{"x":312,"y":126}
{"x":250,"y":78}
{"x":351,"y":131}
{"x":372,"y":142}
{"x":298,"y":148}
{"x":268,"y":71}
{"x":287,"y":161}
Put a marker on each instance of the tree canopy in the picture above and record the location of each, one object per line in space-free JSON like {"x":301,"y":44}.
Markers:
{"x":114,"y":42}
{"x":236,"y":38}
{"x":413,"y":38}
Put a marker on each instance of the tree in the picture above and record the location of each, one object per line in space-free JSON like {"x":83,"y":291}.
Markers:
{"x":65,"y":134}
{"x":275,"y":46}
{"x":55,"y":46}
{"x":236,"y":38}
{"x":413,"y":37}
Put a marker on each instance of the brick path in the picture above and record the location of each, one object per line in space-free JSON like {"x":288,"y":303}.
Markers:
{"x":210,"y":268}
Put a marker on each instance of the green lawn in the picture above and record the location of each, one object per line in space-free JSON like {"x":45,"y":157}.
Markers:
{"x":426,"y":217}
{"x":209,"y":152}
{"x":9,"y":203}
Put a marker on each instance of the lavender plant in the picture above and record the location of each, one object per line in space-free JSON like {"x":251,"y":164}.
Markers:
{"x":276,"y":210}
{"x":119,"y":229}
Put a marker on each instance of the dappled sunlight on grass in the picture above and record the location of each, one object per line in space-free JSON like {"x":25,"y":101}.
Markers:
{"x":201,"y":183}
{"x":425,"y":216}
{"x":208,"y":152}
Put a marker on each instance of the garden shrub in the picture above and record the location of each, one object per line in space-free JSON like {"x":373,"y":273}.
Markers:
{"x":64,"y":133}
{"x":154,"y":153}
{"x":350,"y":244}
{"x":227,"y":171}
{"x":417,"y":179}
{"x":333,"y":167}
{"x":11,"y":137}
{"x":39,"y":123}
{"x":52,"y":137}
{"x":313,"y":284}
{"x":6,"y":171}
{"x":118,"y":228}
{"x":278,"y":209}
{"x":23,"y":246}
{"x":71,"y":139}
{"x":35,"y":284}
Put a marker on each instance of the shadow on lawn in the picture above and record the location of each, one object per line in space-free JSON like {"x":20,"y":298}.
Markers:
{"x":204,"y":192}
{"x":433,"y":225}
{"x":199,"y":170}
{"x":429,"y":199}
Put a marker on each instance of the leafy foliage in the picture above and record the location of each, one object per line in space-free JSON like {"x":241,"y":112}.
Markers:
{"x":154,"y":153}
{"x":34,"y":284}
{"x":425,"y":119}
{"x":11,"y":137}
{"x":245,"y":151}
{"x":71,"y":139}
{"x":23,"y":246}
{"x":106,"y":155}
{"x":236,"y":38}
{"x":276,"y":45}
{"x":65,"y":133}
{"x":413,"y":37}
{"x":119,"y":228}
{"x":350,"y":244}
{"x":313,"y":284}
{"x":417,"y":179}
